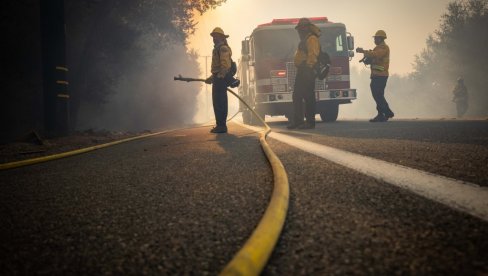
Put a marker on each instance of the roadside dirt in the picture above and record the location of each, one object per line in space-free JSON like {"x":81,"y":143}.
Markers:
{"x":37,"y":147}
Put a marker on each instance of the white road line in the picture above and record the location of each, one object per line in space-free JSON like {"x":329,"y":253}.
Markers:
{"x":463,"y":196}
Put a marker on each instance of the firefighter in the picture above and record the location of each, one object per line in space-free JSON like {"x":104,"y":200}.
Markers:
{"x":305,"y":60}
{"x":221,"y":64}
{"x":460,"y":97}
{"x":380,"y":62}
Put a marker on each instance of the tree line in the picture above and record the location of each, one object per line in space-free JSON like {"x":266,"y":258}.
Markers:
{"x":121,"y":56}
{"x":457,"y":49}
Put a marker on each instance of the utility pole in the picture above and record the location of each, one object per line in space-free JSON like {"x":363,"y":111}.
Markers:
{"x":54,"y":69}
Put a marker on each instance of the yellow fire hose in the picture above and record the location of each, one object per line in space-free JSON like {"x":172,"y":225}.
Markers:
{"x":253,"y":256}
{"x":22,"y":163}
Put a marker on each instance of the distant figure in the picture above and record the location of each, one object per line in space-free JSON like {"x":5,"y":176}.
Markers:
{"x":379,"y":58}
{"x":460,"y":97}
{"x":221,"y":65}
{"x":306,"y":57}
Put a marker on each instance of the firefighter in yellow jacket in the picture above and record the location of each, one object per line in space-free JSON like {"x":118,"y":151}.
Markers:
{"x":380,"y":62}
{"x":305,"y":59}
{"x":221,"y":64}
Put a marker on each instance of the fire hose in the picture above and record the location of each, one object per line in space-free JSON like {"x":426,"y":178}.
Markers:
{"x":253,"y":256}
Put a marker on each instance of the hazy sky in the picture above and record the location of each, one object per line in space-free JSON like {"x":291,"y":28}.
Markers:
{"x":406,"y":22}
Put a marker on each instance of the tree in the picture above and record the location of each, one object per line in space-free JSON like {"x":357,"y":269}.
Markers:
{"x":112,"y":46}
{"x":20,"y":73}
{"x":113,"y":39}
{"x":458,"y":49}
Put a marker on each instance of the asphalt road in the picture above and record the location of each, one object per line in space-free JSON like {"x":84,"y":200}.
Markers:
{"x":174,"y":204}
{"x":452,"y":148}
{"x":184,"y":203}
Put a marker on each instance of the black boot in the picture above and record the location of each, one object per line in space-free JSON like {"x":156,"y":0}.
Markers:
{"x":307,"y":125}
{"x":219,"y":129}
{"x":389,"y":115}
{"x":379,"y":118}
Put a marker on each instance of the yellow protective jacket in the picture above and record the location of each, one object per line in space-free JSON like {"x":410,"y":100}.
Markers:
{"x":221,"y":60}
{"x":308,"y":52}
{"x":380,"y":59}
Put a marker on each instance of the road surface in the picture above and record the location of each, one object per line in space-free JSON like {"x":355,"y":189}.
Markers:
{"x":186,"y":201}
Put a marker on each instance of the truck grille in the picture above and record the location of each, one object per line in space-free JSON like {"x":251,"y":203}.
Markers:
{"x":291,"y":73}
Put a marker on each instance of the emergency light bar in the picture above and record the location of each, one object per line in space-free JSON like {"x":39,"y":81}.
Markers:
{"x":294,"y":21}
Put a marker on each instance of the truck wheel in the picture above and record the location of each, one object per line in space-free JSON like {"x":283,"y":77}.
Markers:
{"x":246,"y":117}
{"x":329,"y":114}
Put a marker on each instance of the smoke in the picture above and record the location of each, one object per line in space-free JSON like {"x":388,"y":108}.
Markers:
{"x":363,"y":106}
{"x":146,"y":96}
{"x":411,"y":98}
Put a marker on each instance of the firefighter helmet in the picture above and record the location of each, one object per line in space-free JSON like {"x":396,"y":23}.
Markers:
{"x":380,"y":33}
{"x":303,"y":22}
{"x":218,"y":30}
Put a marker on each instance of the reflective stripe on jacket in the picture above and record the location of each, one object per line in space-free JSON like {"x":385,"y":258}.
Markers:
{"x":221,"y":60}
{"x":380,"y":59}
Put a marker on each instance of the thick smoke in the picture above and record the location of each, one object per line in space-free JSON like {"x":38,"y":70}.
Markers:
{"x":409,"y":98}
{"x":147,"y":97}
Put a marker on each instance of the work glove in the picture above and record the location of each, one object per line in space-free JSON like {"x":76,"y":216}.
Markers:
{"x":209,"y":80}
{"x":359,"y":50}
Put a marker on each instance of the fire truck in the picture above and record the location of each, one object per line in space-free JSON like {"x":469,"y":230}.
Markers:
{"x":267,"y":71}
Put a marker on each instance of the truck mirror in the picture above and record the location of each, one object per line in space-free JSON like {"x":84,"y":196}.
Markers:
{"x":350,"y":42}
{"x":245,"y":47}
{"x":351,"y":54}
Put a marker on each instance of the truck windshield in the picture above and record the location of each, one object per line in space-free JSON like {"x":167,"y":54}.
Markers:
{"x":282,"y":44}
{"x":333,"y":41}
{"x":275,"y":44}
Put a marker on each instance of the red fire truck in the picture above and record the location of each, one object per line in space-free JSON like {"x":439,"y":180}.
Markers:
{"x":267,"y":71}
